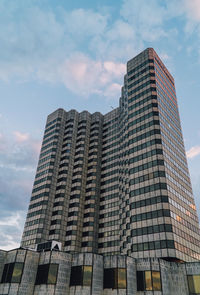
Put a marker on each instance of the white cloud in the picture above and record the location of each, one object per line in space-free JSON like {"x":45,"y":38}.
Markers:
{"x":11,"y":227}
{"x":146,"y":17}
{"x":193,"y":152}
{"x":61,"y":33}
{"x":82,"y":23}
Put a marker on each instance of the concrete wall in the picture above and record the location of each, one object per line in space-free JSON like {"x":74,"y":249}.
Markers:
{"x":173,"y":275}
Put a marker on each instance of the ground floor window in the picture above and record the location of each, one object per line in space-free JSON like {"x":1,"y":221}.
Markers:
{"x":194,"y":284}
{"x":81,"y":275}
{"x":115,"y":278}
{"x":12,"y":272}
{"x":148,"y":281}
{"x":47,"y":274}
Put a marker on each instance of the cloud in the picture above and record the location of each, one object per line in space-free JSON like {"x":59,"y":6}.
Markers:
{"x":146,"y":17}
{"x":82,"y":23}
{"x":85,"y":76}
{"x":18,"y":160}
{"x":80,"y":48}
{"x":193,"y":152}
{"x":192,"y":8}
{"x":21,"y":137}
{"x":11,"y":227}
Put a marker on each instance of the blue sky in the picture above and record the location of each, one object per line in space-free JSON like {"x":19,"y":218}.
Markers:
{"x":73,"y":54}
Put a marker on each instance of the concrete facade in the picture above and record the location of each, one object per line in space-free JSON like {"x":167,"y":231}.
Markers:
{"x":174,"y":276}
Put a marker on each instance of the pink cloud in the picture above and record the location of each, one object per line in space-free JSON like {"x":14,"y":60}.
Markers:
{"x":85,"y":76}
{"x":193,"y":9}
{"x":193,"y":152}
{"x":21,"y":137}
{"x":36,"y":147}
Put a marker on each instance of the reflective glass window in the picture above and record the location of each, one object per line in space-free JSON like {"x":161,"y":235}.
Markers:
{"x":12,"y":272}
{"x":194,"y":284}
{"x":121,"y":278}
{"x":52,"y":275}
{"x":17,"y":272}
{"x":87,"y":275}
{"x":148,"y":281}
{"x":46,"y":274}
{"x":156,"y":280}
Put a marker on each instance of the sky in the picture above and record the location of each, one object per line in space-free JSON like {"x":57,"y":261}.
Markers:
{"x":72,"y":55}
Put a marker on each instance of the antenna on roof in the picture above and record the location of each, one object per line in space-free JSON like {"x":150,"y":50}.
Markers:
{"x":112,"y":108}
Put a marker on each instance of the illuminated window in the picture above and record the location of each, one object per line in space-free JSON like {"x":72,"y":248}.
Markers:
{"x":87,"y":275}
{"x":194,"y":284}
{"x":121,"y":278}
{"x":148,"y":281}
{"x":46,"y":274}
{"x":12,"y":272}
{"x":115,"y":278}
{"x":156,"y":280}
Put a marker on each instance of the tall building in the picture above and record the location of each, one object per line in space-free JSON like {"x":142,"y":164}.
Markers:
{"x":118,"y":183}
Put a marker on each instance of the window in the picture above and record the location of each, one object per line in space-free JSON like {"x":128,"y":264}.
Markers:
{"x":46,"y":274}
{"x":87,"y":275}
{"x":81,"y":275}
{"x":140,"y":281}
{"x":115,"y":278}
{"x":194,"y":284}
{"x":148,"y":281}
{"x":156,"y":280}
{"x":12,"y":272}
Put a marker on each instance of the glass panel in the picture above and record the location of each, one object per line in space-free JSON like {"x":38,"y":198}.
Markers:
{"x":140,"y":281}
{"x":148,"y":282}
{"x":156,"y":280}
{"x":42,"y":274}
{"x":17,"y":272}
{"x":4,"y":275}
{"x":121,"y":278}
{"x":87,"y":275}
{"x":109,"y":278}
{"x":52,"y":275}
{"x":9,"y":272}
{"x":191,"y":284}
{"x":76,"y":277}
{"x":194,"y":284}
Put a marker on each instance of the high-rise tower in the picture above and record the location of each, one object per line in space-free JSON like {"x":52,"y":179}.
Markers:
{"x":118,"y":183}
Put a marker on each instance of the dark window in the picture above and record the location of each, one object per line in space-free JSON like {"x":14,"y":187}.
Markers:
{"x":46,"y":274}
{"x":115,"y":278}
{"x":140,"y":281}
{"x":110,"y":278}
{"x":12,"y":272}
{"x":81,"y":275}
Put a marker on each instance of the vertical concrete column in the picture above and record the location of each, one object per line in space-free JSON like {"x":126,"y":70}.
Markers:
{"x":97,"y":278}
{"x":131,"y":276}
{"x":30,"y":259}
